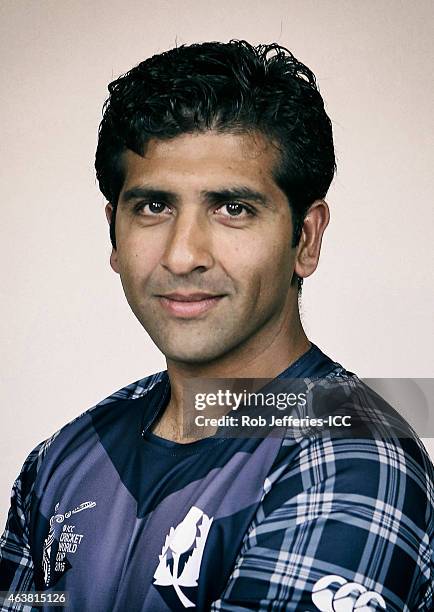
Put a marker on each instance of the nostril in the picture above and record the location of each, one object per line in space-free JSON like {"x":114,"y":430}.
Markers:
{"x":185,"y":253}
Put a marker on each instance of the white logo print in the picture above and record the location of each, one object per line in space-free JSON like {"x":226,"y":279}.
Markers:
{"x":335,"y":594}
{"x":46,"y":553}
{"x":184,"y":539}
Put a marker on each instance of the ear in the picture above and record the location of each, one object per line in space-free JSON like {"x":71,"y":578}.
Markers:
{"x":309,"y":247}
{"x":114,"y":254}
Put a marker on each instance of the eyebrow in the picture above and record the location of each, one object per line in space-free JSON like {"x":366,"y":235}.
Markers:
{"x":217,"y":196}
{"x":235,"y":193}
{"x":149,"y":193}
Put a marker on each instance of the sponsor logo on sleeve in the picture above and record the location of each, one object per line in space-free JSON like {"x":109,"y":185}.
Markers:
{"x":335,"y":594}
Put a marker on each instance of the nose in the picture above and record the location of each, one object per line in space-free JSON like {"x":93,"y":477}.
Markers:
{"x":189,"y":245}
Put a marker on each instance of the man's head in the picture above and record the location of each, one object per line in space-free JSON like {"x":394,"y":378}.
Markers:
{"x":228,"y":87}
{"x":188,"y":134}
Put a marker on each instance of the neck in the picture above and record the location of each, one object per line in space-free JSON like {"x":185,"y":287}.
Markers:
{"x":252,"y":360}
{"x":265,"y":355}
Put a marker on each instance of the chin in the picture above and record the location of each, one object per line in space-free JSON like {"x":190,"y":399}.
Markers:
{"x":193,"y":355}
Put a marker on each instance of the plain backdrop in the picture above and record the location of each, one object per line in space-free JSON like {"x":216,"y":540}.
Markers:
{"x":68,"y":336}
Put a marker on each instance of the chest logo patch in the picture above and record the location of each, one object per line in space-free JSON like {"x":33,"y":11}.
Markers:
{"x":69,"y":541}
{"x":181,"y":555}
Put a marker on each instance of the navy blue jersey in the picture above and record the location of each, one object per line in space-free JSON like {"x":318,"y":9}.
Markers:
{"x":125,"y":520}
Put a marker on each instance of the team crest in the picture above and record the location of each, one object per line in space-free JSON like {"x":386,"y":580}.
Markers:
{"x":181,"y":555}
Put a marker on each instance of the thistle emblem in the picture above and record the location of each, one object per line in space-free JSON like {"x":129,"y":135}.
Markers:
{"x":187,"y":540}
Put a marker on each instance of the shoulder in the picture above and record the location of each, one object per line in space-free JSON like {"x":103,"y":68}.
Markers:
{"x":378,"y":459}
{"x":37,"y":458}
{"x":356,"y":508}
{"x":16,"y":557}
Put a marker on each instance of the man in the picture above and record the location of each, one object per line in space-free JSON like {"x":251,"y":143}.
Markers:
{"x":215,"y":160}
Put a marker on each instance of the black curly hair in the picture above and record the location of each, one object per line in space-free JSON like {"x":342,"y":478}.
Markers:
{"x":227,"y":87}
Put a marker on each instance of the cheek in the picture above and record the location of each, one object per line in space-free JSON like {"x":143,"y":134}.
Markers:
{"x":259,"y":261}
{"x":137,"y":259}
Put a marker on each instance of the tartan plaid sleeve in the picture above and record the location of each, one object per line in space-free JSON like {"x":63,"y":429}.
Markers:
{"x":16,"y":564}
{"x":344,"y":524}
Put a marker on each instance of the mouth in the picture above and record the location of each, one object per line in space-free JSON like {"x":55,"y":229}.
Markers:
{"x":187,"y":306}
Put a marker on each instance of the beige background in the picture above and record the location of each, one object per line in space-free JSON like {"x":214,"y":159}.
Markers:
{"x":68,"y":336}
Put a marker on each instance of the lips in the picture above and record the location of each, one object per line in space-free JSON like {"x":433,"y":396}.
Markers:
{"x":189,"y":305}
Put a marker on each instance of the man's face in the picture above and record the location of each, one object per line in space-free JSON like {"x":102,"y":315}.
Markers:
{"x":203,"y":238}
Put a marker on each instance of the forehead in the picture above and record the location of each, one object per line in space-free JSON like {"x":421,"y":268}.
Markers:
{"x":208,"y":159}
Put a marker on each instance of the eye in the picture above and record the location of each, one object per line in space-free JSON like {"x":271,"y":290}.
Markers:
{"x":235,"y":209}
{"x":151,"y":208}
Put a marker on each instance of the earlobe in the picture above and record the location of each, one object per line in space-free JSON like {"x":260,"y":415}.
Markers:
{"x":114,"y":254}
{"x":309,"y":247}
{"x":108,"y":212}
{"x":114,"y":261}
